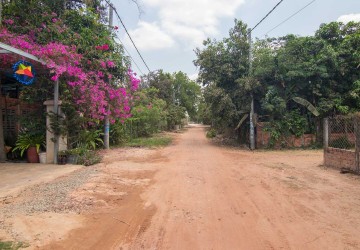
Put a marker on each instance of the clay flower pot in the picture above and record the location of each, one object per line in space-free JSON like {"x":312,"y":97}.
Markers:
{"x":32,"y":155}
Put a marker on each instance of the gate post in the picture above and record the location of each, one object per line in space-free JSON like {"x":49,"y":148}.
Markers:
{"x":357,"y":142}
{"x":326,"y":133}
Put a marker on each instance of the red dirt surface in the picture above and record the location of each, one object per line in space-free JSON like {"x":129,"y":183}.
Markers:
{"x":195,"y":195}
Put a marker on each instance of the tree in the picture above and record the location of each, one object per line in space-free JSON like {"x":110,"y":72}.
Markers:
{"x":224,"y":69}
{"x":178,"y":91}
{"x":186,"y":93}
{"x":94,"y":74}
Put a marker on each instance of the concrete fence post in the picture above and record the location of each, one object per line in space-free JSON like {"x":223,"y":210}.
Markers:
{"x":357,"y":142}
{"x":326,"y":133}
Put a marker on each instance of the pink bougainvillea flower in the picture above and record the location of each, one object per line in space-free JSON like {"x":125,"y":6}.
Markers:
{"x":95,"y":96}
{"x":105,"y":47}
{"x":102,"y":64}
{"x":110,"y":64}
{"x":54,"y":78}
{"x":9,"y":21}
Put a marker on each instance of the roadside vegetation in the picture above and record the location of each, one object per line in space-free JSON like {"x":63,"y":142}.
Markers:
{"x":155,"y":141}
{"x":295,"y":81}
{"x":10,"y":245}
{"x":96,"y":80}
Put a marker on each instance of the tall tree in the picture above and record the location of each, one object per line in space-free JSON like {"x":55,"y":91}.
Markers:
{"x":223,"y":68}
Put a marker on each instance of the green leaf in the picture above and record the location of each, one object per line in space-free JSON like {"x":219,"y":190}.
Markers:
{"x":241,"y":121}
{"x":307,"y":104}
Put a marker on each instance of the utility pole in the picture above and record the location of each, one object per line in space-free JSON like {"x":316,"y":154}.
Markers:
{"x":2,"y":151}
{"x":0,"y":13}
{"x":2,"y":148}
{"x":107,"y":120}
{"x":252,"y":127}
{"x":56,"y":113}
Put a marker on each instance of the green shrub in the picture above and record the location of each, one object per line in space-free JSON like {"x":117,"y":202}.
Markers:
{"x":11,"y":245}
{"x":119,"y":134}
{"x":150,"y":142}
{"x":89,"y":157}
{"x":211,"y":133}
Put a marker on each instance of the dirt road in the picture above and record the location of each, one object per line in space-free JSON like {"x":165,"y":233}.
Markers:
{"x":195,"y":195}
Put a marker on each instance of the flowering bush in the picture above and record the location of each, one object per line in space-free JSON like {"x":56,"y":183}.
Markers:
{"x":93,"y":79}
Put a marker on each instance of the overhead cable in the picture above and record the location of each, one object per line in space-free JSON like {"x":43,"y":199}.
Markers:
{"x":122,"y":23}
{"x":137,"y":66}
{"x":290,"y":17}
{"x":267,"y":14}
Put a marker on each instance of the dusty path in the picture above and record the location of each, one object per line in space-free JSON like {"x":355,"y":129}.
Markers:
{"x":194,"y":195}
{"x":215,"y":198}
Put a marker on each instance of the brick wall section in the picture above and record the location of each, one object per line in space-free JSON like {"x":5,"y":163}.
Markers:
{"x":263,"y":138}
{"x":339,"y":158}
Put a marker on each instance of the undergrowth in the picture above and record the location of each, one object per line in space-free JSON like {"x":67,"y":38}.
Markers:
{"x":11,"y":245}
{"x":151,"y":142}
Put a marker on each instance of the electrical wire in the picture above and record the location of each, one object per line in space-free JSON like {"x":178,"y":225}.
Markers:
{"x":122,"y":23}
{"x":137,"y":66}
{"x":267,"y":14}
{"x":290,"y":17}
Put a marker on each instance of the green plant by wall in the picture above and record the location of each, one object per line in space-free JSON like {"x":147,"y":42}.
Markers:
{"x":291,"y":124}
{"x":89,"y":157}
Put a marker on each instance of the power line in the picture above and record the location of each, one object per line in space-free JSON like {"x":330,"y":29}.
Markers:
{"x":267,"y":14}
{"x":117,"y":14}
{"x":290,"y":17}
{"x":137,"y":66}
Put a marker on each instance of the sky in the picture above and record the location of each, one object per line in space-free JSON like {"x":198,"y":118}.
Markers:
{"x":166,"y":32}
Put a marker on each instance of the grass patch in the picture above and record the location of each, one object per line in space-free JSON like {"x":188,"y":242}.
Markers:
{"x":150,"y":142}
{"x":11,"y":245}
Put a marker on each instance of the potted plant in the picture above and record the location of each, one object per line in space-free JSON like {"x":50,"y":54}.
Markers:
{"x":31,"y":143}
{"x":73,"y":155}
{"x":61,"y":157}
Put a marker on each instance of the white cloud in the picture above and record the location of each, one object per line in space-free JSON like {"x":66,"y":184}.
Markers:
{"x":189,"y":35}
{"x":149,"y":36}
{"x":349,"y":17}
{"x":192,"y":21}
{"x":194,"y":76}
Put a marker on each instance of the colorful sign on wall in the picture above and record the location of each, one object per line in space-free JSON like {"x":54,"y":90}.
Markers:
{"x":24,"y":72}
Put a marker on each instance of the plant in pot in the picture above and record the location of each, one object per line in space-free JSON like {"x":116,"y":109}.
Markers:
{"x":62,"y":157}
{"x":31,"y":143}
{"x":73,"y":155}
